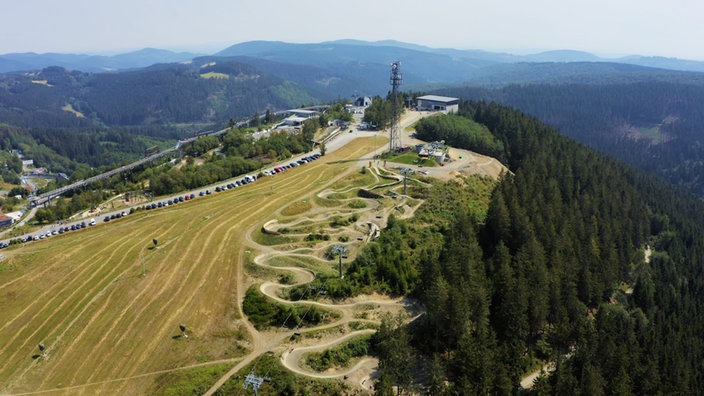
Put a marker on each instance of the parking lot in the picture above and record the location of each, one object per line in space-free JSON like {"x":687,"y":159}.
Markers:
{"x":58,"y":229}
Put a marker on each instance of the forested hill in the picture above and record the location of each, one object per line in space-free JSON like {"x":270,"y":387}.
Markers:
{"x":656,"y":126}
{"x":60,"y":118}
{"x":566,"y":230}
{"x":554,"y":271}
{"x":158,"y":95}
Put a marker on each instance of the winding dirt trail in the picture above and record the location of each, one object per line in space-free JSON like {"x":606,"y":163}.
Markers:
{"x":292,"y":359}
{"x":348,"y":311}
{"x":292,"y":354}
{"x":111,"y":330}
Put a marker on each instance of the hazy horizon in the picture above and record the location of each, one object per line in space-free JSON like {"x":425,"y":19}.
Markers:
{"x":604,"y":28}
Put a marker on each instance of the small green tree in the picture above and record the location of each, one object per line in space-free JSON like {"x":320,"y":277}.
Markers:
{"x":378,"y":113}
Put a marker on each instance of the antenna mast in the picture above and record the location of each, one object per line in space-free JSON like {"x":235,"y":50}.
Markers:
{"x":395,"y":80}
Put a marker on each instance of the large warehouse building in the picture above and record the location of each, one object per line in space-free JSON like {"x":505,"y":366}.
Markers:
{"x":438,"y":103}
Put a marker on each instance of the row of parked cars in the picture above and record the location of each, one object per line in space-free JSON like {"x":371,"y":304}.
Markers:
{"x":237,"y":183}
{"x":61,"y":230}
{"x":302,"y":161}
{"x":55,"y":231}
{"x":169,"y":202}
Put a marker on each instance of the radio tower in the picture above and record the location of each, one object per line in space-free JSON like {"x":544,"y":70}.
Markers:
{"x":395,"y":80}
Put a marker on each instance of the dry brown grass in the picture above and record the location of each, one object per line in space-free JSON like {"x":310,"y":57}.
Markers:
{"x":110,"y":330}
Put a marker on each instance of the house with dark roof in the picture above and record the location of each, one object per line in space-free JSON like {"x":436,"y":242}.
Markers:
{"x":5,"y":220}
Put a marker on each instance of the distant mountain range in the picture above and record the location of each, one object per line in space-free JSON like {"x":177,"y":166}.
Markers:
{"x":30,"y":61}
{"x":159,"y":87}
{"x":331,"y":53}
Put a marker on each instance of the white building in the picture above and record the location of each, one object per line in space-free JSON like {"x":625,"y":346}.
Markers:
{"x":438,"y":103}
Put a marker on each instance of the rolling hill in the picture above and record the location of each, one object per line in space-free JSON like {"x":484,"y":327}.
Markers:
{"x":181,"y":93}
{"x":91,"y":63}
{"x":256,"y":76}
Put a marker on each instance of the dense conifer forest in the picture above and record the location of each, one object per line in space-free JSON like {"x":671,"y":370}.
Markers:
{"x":551,"y":267}
{"x":655,"y":125}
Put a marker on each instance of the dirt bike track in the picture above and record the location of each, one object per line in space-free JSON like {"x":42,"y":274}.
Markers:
{"x":280,"y":339}
{"x":291,"y":355}
{"x":88,"y":284}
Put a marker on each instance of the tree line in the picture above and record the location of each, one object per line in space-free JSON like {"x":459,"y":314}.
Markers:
{"x":548,"y":264}
{"x":654,"y":125}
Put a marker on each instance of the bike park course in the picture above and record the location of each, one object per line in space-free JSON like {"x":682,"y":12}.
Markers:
{"x":361,"y":309}
{"x":111,"y":329}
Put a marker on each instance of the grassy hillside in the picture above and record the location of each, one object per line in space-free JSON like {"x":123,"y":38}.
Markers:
{"x":107,"y":328}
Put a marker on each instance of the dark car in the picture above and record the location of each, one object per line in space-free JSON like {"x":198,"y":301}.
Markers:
{"x":106,"y":219}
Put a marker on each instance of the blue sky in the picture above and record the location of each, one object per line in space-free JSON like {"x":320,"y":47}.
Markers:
{"x":670,"y":28}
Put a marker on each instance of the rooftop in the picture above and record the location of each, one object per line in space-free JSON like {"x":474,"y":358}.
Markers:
{"x":437,"y":98}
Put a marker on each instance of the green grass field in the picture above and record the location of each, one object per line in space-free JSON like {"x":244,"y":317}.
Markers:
{"x":214,"y":75}
{"x":110,"y":330}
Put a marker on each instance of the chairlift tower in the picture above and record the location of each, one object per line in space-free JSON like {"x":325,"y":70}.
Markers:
{"x":405,"y":172}
{"x":395,"y":80}
{"x":340,"y":251}
{"x":254,"y":380}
